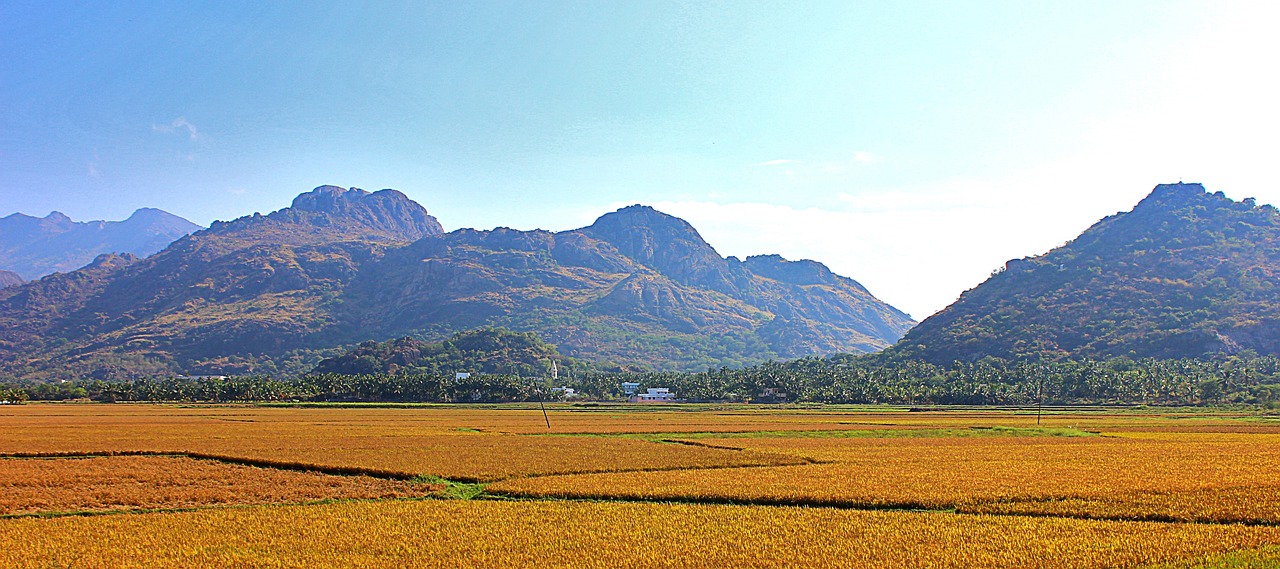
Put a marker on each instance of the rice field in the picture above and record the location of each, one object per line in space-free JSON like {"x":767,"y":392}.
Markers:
{"x":669,"y":486}
{"x":118,"y":483}
{"x":389,"y":442}
{"x":1191,"y":477}
{"x":602,"y":535}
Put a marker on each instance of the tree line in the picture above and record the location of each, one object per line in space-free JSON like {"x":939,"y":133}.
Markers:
{"x":1245,"y":379}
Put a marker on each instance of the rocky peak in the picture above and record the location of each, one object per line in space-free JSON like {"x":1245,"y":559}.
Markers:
{"x":1169,"y":197}
{"x":802,"y":272}
{"x":328,"y":199}
{"x":665,"y":243}
{"x":57,"y":217}
{"x":55,"y":222}
{"x":334,"y":212}
{"x":150,"y":214}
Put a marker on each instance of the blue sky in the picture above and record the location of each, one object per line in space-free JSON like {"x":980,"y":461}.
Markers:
{"x":914,"y":146}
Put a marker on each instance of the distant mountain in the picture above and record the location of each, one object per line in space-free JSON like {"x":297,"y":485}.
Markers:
{"x":9,"y":278}
{"x":1185,"y":274}
{"x":278,"y":293}
{"x":36,"y":246}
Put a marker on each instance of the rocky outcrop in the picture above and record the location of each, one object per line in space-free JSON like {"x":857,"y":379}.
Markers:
{"x":331,"y":213}
{"x":664,"y":243}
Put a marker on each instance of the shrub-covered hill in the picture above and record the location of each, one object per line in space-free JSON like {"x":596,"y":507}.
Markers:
{"x":484,"y":350}
{"x":277,"y":293}
{"x":1186,"y":273}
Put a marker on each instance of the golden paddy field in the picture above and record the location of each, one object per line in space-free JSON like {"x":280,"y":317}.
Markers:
{"x":92,"y":485}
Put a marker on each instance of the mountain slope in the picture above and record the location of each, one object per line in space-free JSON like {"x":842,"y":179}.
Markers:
{"x":34,"y":247}
{"x":9,"y":278}
{"x":339,"y":267}
{"x":229,"y":298}
{"x":1185,"y":273}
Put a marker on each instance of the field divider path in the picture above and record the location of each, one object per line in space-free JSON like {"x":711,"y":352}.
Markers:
{"x":401,"y":475}
{"x":184,"y":509}
{"x":890,"y":506}
{"x":242,"y":461}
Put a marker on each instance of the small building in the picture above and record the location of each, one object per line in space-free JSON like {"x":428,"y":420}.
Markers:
{"x":461,"y":376}
{"x":772,"y":394}
{"x":629,"y":388}
{"x":568,"y":392}
{"x":654,"y":394}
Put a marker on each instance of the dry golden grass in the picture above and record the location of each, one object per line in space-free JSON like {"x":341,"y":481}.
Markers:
{"x":1246,"y":504}
{"x":32,"y":485}
{"x":598,"y":535}
{"x":565,"y":419}
{"x":397,"y":442}
{"x":1267,"y":557}
{"x":1080,"y":476}
{"x":483,"y":457}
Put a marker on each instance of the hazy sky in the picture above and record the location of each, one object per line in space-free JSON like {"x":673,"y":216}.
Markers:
{"x":914,"y":146}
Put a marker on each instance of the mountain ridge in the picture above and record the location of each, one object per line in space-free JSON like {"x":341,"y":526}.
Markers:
{"x":276,"y":293}
{"x":34,"y":247}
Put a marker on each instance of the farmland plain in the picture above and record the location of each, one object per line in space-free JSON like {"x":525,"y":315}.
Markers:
{"x":184,"y":486}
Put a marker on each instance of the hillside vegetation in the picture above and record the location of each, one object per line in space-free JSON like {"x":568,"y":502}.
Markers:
{"x":1185,"y":274}
{"x":487,"y":350}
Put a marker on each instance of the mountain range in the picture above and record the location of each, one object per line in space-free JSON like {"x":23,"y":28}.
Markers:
{"x":1186,"y":273}
{"x":276,"y":293}
{"x":33,"y":247}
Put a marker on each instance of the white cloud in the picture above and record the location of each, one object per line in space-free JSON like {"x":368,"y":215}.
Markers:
{"x":864,"y":157}
{"x":179,"y":124}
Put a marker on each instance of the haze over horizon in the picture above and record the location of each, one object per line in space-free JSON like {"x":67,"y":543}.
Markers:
{"x":913,"y":147}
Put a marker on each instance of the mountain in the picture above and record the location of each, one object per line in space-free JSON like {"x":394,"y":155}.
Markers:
{"x":637,"y":287}
{"x":36,"y":246}
{"x":9,"y":278}
{"x":279,"y":292}
{"x":1186,"y":273}
{"x":234,"y":297}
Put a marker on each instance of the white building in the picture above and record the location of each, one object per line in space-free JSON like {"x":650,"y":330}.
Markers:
{"x":655,"y":394}
{"x":629,"y":388}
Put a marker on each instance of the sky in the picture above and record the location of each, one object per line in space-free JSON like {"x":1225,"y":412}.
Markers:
{"x":912,"y":146}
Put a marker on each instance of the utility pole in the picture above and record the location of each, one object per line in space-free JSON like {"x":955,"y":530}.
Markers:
{"x":538,"y":391}
{"x":1040,"y":394}
{"x":554,"y":375}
